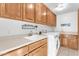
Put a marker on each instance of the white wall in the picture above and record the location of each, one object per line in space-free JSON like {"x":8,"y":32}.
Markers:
{"x":67,"y":18}
{"x":14,"y":27}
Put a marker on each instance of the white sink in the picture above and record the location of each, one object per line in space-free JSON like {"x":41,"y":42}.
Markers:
{"x":33,"y":37}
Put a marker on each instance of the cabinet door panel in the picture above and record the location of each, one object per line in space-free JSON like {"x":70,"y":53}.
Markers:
{"x":78,"y":42}
{"x":72,"y":43}
{"x":0,"y":9}
{"x":65,"y":42}
{"x":44,"y":14}
{"x":42,"y":51}
{"x":38,"y":13}
{"x":41,"y":13}
{"x":45,"y":50}
{"x":51,"y":18}
{"x":44,"y":41}
{"x":37,"y":52}
{"x":29,"y":12}
{"x":38,"y":48}
{"x":54,"y":19}
{"x":13,"y":10}
{"x":34,"y":45}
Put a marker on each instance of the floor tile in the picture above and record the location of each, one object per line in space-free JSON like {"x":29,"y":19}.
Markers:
{"x":67,"y":52}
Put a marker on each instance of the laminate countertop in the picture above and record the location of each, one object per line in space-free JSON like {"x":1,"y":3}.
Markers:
{"x":14,"y":42}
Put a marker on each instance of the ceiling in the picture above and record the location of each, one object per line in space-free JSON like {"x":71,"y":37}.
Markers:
{"x":70,"y":8}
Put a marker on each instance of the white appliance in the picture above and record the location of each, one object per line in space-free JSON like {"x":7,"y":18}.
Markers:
{"x":53,"y":43}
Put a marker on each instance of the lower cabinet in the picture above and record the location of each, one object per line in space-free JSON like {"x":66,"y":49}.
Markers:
{"x":70,"y":41}
{"x":18,"y":52}
{"x":78,"y":42}
{"x":38,"y":48}
{"x":37,"y":52}
{"x":45,"y":50}
{"x":42,"y":51}
{"x":73,"y":43}
{"x":64,"y":42}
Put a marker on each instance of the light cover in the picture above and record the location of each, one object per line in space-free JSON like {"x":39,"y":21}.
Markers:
{"x":61,"y":6}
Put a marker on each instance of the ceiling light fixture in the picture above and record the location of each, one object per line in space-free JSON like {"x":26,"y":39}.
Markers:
{"x":61,"y":6}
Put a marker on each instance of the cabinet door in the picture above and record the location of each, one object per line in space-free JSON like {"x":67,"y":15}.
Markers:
{"x":0,"y":9}
{"x":34,"y":45}
{"x":78,"y":42}
{"x":29,"y":12}
{"x":61,"y":40}
{"x":72,"y":43}
{"x":42,"y":51}
{"x":65,"y":42}
{"x":40,"y":13}
{"x":44,"y":14}
{"x":54,"y":19}
{"x":51,"y":18}
{"x":13,"y":10}
{"x":45,"y":50}
{"x":37,"y":52}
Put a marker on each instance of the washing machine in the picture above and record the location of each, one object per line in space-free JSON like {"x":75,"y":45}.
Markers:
{"x":53,"y":43}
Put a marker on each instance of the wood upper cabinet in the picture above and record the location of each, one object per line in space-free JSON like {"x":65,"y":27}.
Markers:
{"x":78,"y":21}
{"x":40,"y":13}
{"x":51,"y":18}
{"x":0,"y":9}
{"x":29,"y":12}
{"x":13,"y":10}
{"x":44,"y":14}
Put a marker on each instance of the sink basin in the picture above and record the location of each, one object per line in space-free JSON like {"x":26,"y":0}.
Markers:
{"x":33,"y":37}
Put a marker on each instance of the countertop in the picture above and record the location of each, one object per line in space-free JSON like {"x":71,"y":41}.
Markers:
{"x":13,"y":42}
{"x":73,"y":33}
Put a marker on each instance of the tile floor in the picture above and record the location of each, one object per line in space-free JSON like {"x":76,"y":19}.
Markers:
{"x":67,"y":52}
